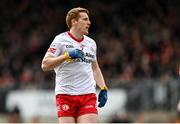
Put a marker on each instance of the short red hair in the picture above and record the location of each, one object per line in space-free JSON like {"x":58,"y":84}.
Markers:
{"x":74,"y":14}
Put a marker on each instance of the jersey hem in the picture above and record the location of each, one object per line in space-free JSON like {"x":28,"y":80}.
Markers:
{"x":74,"y":93}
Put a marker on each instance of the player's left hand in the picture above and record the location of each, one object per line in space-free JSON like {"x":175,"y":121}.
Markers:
{"x":102,"y":98}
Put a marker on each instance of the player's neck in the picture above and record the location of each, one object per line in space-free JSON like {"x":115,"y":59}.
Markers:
{"x":76,"y":35}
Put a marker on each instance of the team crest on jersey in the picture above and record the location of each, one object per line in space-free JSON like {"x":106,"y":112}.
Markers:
{"x":65,"y":107}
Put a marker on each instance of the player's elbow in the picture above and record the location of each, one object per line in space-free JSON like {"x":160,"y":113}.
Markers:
{"x":44,"y":68}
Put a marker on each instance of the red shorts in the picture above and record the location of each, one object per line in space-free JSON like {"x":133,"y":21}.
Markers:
{"x":76,"y":105}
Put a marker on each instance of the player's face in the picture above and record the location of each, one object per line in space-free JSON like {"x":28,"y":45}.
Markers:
{"x":83,"y":23}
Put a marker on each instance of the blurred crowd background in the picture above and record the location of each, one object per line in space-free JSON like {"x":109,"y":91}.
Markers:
{"x":138,"y":46}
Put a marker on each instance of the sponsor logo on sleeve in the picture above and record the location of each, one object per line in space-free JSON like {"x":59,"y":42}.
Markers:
{"x":52,"y":50}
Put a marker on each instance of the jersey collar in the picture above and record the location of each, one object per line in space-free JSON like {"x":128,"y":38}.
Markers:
{"x":74,"y":38}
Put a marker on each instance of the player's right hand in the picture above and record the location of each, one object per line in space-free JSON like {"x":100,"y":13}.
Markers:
{"x":74,"y":54}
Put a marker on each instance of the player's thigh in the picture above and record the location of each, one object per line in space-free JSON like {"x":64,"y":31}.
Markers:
{"x":88,"y":118}
{"x":67,"y":120}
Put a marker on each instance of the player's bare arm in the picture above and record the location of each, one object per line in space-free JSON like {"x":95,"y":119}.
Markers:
{"x":98,"y":74}
{"x":102,"y":97}
{"x":49,"y":62}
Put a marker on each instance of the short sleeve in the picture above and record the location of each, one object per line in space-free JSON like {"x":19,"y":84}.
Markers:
{"x":55,"y":47}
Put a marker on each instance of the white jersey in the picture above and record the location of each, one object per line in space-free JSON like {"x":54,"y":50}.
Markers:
{"x":74,"y":77}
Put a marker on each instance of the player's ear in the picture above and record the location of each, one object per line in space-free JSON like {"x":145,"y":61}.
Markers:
{"x":73,"y":22}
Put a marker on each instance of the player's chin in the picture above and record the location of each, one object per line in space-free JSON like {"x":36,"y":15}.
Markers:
{"x":86,"y":32}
